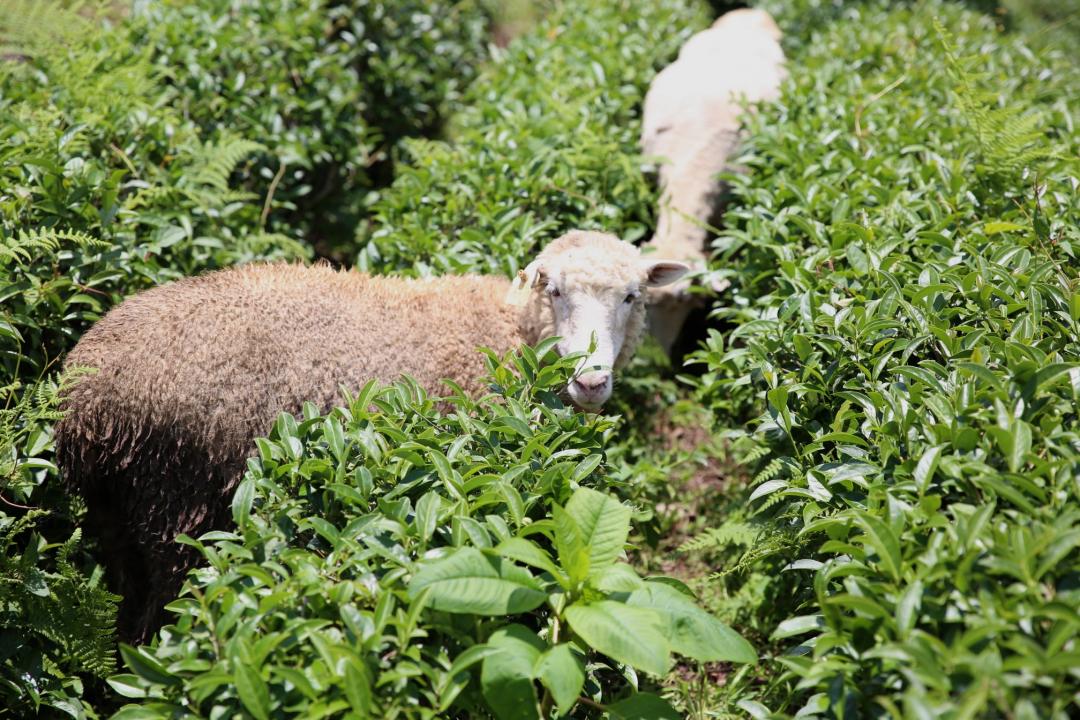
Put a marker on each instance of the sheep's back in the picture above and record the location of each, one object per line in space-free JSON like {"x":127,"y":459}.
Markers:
{"x":701,"y":93}
{"x":223,"y":354}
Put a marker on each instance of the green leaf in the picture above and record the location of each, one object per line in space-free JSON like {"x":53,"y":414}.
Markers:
{"x":358,"y":687}
{"x":857,"y":258}
{"x":604,"y":524}
{"x":139,"y":712}
{"x":427,"y":514}
{"x":907,"y":609}
{"x":881,"y":539}
{"x":1051,"y":373}
{"x":129,"y":686}
{"x":241,"y":503}
{"x":252,"y":691}
{"x":512,"y":426}
{"x":767,"y":488}
{"x":982,"y":372}
{"x":470,"y":657}
{"x":146,"y":666}
{"x":643,"y":706}
{"x":1021,"y":445}
{"x":993,"y":228}
{"x":506,"y":676}
{"x":468,"y":581}
{"x":562,"y":672}
{"x":630,"y":635}
{"x":573,"y":554}
{"x":924,"y":470}
{"x":335,"y":437}
{"x":529,"y":553}
{"x":586,"y":467}
{"x":798,"y":626}
{"x":690,"y":630}
{"x":514,"y":503}
{"x":619,"y":577}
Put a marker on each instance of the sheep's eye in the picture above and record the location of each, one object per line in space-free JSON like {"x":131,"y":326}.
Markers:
{"x":630,"y":298}
{"x":554,"y":291}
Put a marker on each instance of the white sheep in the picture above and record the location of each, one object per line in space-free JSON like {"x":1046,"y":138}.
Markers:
{"x":691,"y":122}
{"x":190,"y":373}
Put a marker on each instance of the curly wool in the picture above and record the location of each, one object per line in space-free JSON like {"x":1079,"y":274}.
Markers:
{"x":188,"y":374}
{"x":691,"y":118}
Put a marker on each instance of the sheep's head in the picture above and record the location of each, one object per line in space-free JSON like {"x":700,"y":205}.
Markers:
{"x":586,"y":285}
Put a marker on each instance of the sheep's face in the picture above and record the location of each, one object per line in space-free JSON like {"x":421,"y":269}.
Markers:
{"x":590,"y":290}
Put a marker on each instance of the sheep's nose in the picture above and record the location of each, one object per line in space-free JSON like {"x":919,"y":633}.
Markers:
{"x":593,"y":383}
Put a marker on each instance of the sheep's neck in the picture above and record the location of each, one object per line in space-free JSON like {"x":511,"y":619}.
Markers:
{"x":535,"y":319}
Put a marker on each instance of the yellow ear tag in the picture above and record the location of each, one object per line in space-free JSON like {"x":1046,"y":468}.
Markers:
{"x":518,"y":294}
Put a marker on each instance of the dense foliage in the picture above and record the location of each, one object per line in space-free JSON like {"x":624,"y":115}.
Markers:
{"x":328,"y":89}
{"x":375,"y":562}
{"x":891,"y":382}
{"x":121,"y":167}
{"x":547,"y":141}
{"x":904,"y":317}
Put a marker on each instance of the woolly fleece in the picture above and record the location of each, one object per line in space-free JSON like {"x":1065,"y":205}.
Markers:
{"x":691,"y":119}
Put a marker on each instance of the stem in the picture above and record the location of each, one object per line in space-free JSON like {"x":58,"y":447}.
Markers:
{"x":701,"y":690}
{"x":270,"y":195}
{"x":545,"y":704}
{"x":15,"y":504}
{"x":591,"y":703}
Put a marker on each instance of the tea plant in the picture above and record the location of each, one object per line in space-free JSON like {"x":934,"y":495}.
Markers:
{"x":388,"y":553}
{"x":328,"y":89}
{"x":546,"y":142}
{"x":904,"y":342}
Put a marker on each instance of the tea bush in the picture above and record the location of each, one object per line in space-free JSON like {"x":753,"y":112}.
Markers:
{"x":546,"y":142}
{"x":327,"y":87}
{"x":898,"y":365}
{"x":112,"y":181}
{"x":903,"y":349}
{"x":393,"y":560}
{"x":57,"y":623}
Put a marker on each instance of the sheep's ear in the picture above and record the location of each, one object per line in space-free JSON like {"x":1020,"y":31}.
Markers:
{"x":521,"y":288}
{"x":534,"y":274}
{"x":663,"y":272}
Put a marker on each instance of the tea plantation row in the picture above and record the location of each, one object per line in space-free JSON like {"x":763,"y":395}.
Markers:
{"x":901,"y":352}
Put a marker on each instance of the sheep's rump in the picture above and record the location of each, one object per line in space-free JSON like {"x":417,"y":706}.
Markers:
{"x":188,"y":374}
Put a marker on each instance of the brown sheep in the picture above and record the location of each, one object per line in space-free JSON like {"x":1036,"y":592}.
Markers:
{"x":190,"y":373}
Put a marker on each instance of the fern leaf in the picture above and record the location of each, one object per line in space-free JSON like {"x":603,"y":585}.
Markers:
{"x":29,"y":244}
{"x":216,"y":163}
{"x":1009,"y":139}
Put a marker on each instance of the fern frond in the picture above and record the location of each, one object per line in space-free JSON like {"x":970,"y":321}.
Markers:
{"x":24,"y":409}
{"x":217,"y":161}
{"x":28,"y":244}
{"x":764,"y":547}
{"x":769,"y":472}
{"x":31,"y":26}
{"x":757,"y":452}
{"x":149,"y":195}
{"x":1009,"y":139}
{"x":72,"y":614}
{"x":731,"y":533}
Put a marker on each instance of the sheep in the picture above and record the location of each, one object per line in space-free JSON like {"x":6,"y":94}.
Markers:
{"x":691,"y":120}
{"x":190,"y":373}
